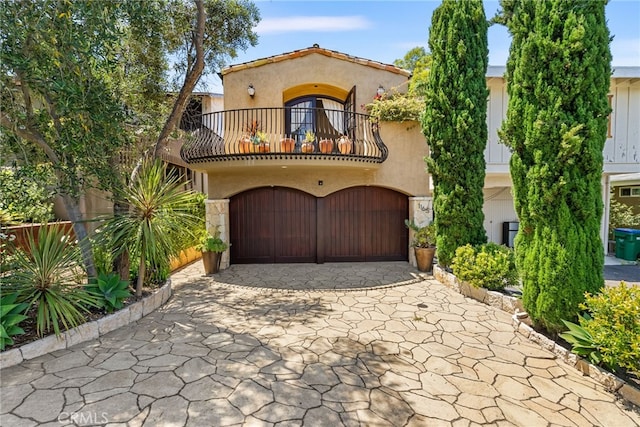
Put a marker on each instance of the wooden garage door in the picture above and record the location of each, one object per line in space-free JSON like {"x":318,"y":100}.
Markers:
{"x":282,"y":225}
{"x":273,"y":225}
{"x":365,"y":224}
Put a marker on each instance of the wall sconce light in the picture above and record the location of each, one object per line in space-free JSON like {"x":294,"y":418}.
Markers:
{"x":380,"y":90}
{"x":251,"y":90}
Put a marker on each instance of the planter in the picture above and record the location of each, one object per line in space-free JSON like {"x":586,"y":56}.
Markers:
{"x":307,"y":147}
{"x":345,"y":145}
{"x":424,"y":258}
{"x":326,"y":146}
{"x":211,"y":262}
{"x":262,"y":147}
{"x":287,"y":145}
{"x":245,"y":145}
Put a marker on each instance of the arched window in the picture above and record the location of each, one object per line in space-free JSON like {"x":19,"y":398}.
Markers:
{"x":326,"y":117}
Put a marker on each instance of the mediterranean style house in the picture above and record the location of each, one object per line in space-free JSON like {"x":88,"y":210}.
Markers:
{"x":296,"y":171}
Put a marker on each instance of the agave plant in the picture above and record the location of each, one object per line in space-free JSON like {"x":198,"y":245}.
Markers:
{"x":160,"y":212}
{"x":10,"y":316}
{"x":582,"y":342}
{"x":109,"y":290}
{"x":49,"y":276}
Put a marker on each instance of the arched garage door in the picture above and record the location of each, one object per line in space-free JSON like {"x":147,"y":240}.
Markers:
{"x":283,"y":225}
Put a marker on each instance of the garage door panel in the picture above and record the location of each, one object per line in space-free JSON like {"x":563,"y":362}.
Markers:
{"x":344,"y":225}
{"x":295,"y":226}
{"x":252,"y":234}
{"x":386,"y":233}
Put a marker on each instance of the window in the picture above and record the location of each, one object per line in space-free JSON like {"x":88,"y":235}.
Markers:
{"x":322,"y":116}
{"x":630,"y":191}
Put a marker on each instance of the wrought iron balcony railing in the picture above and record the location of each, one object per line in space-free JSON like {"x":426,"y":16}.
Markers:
{"x":281,"y":133}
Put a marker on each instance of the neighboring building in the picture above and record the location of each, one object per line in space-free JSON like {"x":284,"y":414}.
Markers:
{"x":274,"y":206}
{"x":621,"y":152}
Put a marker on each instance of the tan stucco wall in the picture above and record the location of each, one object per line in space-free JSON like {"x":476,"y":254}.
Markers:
{"x":271,"y":80}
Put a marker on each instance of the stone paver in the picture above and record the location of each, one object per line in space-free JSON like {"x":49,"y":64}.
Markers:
{"x":220,"y":353}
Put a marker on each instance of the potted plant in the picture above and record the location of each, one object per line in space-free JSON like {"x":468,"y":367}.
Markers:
{"x":250,"y":134}
{"x":424,"y":244}
{"x":212,"y":247}
{"x":309,"y":139}
{"x":260,"y":142}
{"x":344,"y":144}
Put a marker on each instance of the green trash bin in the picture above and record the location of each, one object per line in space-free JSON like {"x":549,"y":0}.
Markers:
{"x":627,"y":243}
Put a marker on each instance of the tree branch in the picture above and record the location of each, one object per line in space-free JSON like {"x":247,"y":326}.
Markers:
{"x":190,"y":80}
{"x":31,"y":135}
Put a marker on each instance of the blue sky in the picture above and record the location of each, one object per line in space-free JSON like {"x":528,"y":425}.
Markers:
{"x":385,"y":30}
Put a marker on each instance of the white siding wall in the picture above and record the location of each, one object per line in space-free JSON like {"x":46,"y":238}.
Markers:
{"x":498,"y":208}
{"x":622,"y":150}
{"x":496,"y":154}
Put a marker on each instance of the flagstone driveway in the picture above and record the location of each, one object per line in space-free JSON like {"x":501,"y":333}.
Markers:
{"x":415,"y":354}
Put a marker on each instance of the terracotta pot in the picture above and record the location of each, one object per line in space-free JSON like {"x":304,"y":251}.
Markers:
{"x":307,"y":147}
{"x":287,"y":145}
{"x":211,"y":262}
{"x":263,"y":147}
{"x":326,"y":146}
{"x":424,"y":258}
{"x":245,"y":145}
{"x":345,"y":145}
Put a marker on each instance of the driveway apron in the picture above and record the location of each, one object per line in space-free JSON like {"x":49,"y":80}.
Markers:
{"x":311,"y":348}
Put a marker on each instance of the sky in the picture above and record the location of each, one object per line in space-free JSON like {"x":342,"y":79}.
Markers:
{"x":386,"y":30}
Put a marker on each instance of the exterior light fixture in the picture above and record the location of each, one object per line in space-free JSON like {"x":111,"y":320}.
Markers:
{"x":380,"y":90}
{"x":251,"y":90}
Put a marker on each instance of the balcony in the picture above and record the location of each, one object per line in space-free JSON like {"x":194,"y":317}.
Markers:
{"x":279,"y":134}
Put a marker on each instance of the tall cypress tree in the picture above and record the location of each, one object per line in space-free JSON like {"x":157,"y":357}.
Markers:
{"x":455,"y":123}
{"x":558,"y":78}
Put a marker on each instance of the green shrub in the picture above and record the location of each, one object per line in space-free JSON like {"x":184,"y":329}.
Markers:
{"x":48,"y":277}
{"x":582,"y":341}
{"x":489,"y":266}
{"x":398,"y":107}
{"x":10,"y":316}
{"x":423,"y":237}
{"x":614,"y":325}
{"x":25,"y":194}
{"x":109,"y":290}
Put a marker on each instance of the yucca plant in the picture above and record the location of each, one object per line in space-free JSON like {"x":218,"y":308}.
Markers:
{"x":109,"y":290}
{"x":11,"y":314}
{"x":160,"y":211}
{"x":48,"y":276}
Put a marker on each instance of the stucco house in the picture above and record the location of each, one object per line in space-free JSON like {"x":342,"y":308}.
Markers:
{"x":277,"y":201}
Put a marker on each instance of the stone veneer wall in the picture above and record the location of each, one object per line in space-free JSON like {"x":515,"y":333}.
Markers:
{"x":421,"y":212}
{"x":217,"y":217}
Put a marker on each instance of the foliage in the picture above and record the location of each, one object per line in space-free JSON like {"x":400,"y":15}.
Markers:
{"x":397,"y":107}
{"x":423,"y":237}
{"x":489,"y":266}
{"x":109,"y":290}
{"x":455,"y":125}
{"x":621,"y":216}
{"x":25,"y":194}
{"x":212,"y":243}
{"x":47,"y":277}
{"x":557,"y":80}
{"x":11,"y":314}
{"x":615,"y":325}
{"x":309,"y":136}
{"x":159,"y":211}
{"x":418,"y":61}
{"x":582,"y":342}
{"x":7,"y":252}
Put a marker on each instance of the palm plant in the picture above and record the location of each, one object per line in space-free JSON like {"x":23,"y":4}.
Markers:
{"x":160,"y":211}
{"x":48,"y":275}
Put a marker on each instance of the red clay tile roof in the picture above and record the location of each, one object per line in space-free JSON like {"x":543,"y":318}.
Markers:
{"x":315,"y":49}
